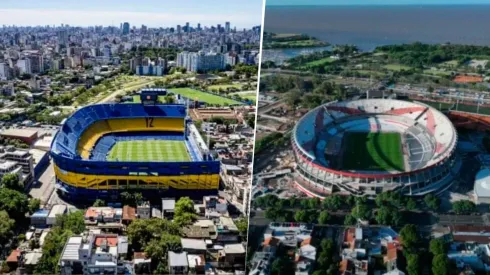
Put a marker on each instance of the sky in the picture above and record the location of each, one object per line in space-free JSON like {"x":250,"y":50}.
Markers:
{"x":153,"y":13}
{"x":374,"y":2}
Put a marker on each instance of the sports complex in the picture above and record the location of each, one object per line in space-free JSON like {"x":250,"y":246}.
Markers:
{"x":104,"y":149}
{"x":369,"y":146}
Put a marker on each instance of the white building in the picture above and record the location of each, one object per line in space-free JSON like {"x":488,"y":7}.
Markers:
{"x":24,"y":66}
{"x":93,"y":254}
{"x":177,"y":263}
{"x":201,"y":61}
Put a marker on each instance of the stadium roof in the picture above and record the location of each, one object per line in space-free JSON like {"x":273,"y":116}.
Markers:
{"x":482,"y":183}
{"x":19,"y":132}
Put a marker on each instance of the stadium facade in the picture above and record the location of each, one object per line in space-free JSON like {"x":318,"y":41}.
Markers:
{"x":86,"y":166}
{"x":408,"y":147}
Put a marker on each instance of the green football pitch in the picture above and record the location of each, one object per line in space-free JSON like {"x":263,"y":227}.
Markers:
{"x":149,"y":150}
{"x":373,"y":151}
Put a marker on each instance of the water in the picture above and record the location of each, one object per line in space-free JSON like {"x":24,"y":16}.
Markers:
{"x":369,"y":27}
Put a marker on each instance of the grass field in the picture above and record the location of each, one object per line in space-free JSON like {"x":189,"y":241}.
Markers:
{"x":397,"y":67}
{"x":368,"y":72}
{"x":322,"y":61}
{"x":149,"y":150}
{"x":373,"y":151}
{"x":215,"y":88}
{"x":451,"y":63}
{"x":249,"y":95}
{"x":437,"y":73}
{"x":201,"y":96}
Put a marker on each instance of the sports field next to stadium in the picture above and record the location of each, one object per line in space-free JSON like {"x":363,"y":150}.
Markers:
{"x":202,"y":96}
{"x":149,"y":150}
{"x":373,"y":151}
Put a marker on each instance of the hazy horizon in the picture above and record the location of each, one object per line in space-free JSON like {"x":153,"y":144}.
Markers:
{"x":152,"y":13}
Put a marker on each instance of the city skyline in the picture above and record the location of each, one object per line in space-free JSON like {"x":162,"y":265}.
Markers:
{"x":113,"y":13}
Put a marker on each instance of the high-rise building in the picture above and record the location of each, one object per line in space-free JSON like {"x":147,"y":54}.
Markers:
{"x":227,"y":27}
{"x":135,"y":62}
{"x":125,"y":29}
{"x":199,"y":26}
{"x":200,"y":61}
{"x":63,"y":38}
{"x":4,"y":71}
{"x":24,"y":66}
{"x":179,"y":29}
{"x":37,"y":63}
{"x":187,"y":27}
{"x":107,"y":52}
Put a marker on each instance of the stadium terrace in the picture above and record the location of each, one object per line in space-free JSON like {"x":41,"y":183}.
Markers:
{"x":369,"y":146}
{"x":104,"y":149}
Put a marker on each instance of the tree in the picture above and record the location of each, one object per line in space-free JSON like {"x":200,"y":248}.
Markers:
{"x":15,"y":203}
{"x":6,"y":227}
{"x":324,"y":217}
{"x":293,"y":98}
{"x":157,"y":248}
{"x":411,"y":204}
{"x":409,"y":236}
{"x":350,"y":220}
{"x":437,"y":246}
{"x":282,"y":265}
{"x":132,"y":199}
{"x":388,"y":215}
{"x":361,"y":211}
{"x":300,"y":216}
{"x":327,"y":259}
{"x":432,"y":202}
{"x":440,"y":264}
{"x":162,"y":266}
{"x":52,"y":248}
{"x":314,"y":203}
{"x":464,"y":207}
{"x":98,"y":203}
{"x":184,"y":211}
{"x":413,"y":264}
{"x":272,"y":213}
{"x":11,"y":181}
{"x":333,"y":202}
{"x":141,"y":231}
{"x":34,"y":205}
{"x":74,"y":221}
{"x":242,"y":225}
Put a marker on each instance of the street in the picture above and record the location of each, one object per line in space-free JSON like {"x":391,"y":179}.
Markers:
{"x":43,"y":186}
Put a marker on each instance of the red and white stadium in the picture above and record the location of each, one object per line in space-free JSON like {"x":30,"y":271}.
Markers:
{"x":428,"y":143}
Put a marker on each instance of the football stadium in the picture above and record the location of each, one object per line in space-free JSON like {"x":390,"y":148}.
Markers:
{"x":105,"y":149}
{"x":368,"y":146}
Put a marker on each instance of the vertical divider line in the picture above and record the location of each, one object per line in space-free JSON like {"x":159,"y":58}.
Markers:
{"x":247,"y":207}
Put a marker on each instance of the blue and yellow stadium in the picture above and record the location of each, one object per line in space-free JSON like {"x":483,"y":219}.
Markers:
{"x":105,"y":149}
